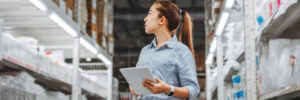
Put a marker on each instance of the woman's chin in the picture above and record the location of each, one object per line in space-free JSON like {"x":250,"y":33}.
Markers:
{"x":147,"y":32}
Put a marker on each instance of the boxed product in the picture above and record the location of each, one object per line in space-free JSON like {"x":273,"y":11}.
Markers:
{"x":70,"y":9}
{"x":110,"y":45}
{"x":57,"y":57}
{"x":282,"y":57}
{"x":30,"y":42}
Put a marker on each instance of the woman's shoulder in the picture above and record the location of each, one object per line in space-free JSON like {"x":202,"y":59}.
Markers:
{"x":180,"y":47}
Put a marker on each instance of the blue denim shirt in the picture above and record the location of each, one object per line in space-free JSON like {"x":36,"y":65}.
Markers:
{"x":174,"y":64}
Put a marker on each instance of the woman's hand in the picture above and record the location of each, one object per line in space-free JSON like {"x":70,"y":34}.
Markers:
{"x":132,"y":92}
{"x":155,"y":88}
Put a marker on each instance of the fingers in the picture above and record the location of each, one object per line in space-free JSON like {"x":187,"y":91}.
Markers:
{"x":157,"y":79}
{"x":150,"y":88}
{"x":146,"y":85}
{"x":151,"y":83}
{"x":132,"y":92}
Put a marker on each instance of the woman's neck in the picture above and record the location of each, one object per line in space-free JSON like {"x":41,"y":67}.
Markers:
{"x":162,"y":37}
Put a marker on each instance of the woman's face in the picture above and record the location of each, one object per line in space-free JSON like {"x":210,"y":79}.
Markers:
{"x":152,"y":20}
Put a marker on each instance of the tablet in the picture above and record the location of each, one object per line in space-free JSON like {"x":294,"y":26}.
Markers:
{"x":135,"y":76}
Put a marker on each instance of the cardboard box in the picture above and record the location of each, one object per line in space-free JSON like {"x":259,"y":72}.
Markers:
{"x":110,"y":44}
{"x":56,"y":2}
{"x":62,"y":5}
{"x":102,"y":13}
{"x":71,"y":6}
{"x":99,"y":39}
{"x":104,"y":42}
{"x":92,"y":4}
{"x":110,"y":26}
{"x":92,"y":28}
{"x":92,"y":25}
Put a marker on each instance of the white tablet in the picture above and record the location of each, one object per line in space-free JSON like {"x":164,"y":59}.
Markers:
{"x":135,"y":76}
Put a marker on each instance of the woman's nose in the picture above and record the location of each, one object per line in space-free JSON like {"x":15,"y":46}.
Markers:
{"x":145,"y":19}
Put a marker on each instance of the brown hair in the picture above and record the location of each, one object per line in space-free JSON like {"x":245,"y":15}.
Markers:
{"x":172,"y":13}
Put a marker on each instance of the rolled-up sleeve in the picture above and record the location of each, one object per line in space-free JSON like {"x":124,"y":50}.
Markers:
{"x":188,"y":75}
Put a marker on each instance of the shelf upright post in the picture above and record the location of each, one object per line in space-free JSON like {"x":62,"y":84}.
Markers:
{"x":208,"y":85}
{"x":207,"y":66}
{"x":76,"y":90}
{"x":250,"y":49}
{"x":220,"y":68}
{"x":1,"y":23}
{"x":109,"y":81}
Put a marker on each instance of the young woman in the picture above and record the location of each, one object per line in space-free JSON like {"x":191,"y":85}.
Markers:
{"x":170,"y":60}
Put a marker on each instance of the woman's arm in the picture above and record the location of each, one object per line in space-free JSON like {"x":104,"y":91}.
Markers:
{"x":181,"y":92}
{"x":162,"y":87}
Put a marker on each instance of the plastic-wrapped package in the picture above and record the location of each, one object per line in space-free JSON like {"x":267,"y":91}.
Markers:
{"x":295,"y":62}
{"x":263,"y":73}
{"x":58,"y":95}
{"x":282,"y":57}
{"x":30,"y":42}
{"x":260,"y":13}
{"x":235,"y":40}
{"x":284,"y":4}
{"x":22,"y":81}
{"x":57,"y":57}
{"x":239,"y":84}
{"x":279,"y":53}
{"x":284,"y":68}
{"x":274,"y":59}
{"x":83,"y":97}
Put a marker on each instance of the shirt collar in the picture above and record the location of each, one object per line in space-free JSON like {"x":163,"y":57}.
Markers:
{"x":169,"y":43}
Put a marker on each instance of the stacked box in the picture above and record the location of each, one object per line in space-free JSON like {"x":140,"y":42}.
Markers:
{"x":279,"y":56}
{"x":104,"y":41}
{"x":56,"y":2}
{"x":110,"y":44}
{"x":67,"y":6}
{"x":92,"y":25}
{"x":101,"y":33}
{"x":70,"y":9}
{"x":101,"y":10}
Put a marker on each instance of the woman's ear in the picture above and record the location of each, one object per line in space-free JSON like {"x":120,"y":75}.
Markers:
{"x":163,"y":20}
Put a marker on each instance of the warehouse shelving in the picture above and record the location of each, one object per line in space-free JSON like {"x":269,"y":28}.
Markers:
{"x":48,"y":23}
{"x":17,"y":94}
{"x":283,"y":24}
{"x":283,"y":94}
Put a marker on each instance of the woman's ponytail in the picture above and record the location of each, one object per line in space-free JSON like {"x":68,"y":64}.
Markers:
{"x":186,"y":35}
{"x":172,"y":12}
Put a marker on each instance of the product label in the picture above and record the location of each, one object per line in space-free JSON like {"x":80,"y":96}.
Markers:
{"x":278,"y":3}
{"x":293,"y":58}
{"x":271,"y":9}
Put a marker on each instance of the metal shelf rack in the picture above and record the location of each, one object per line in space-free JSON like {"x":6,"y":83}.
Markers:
{"x":48,"y":23}
{"x":284,"y":23}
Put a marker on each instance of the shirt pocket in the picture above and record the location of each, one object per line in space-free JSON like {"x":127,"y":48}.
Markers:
{"x":168,"y":72}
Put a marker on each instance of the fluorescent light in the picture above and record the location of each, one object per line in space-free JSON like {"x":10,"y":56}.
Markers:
{"x":63,"y":24}
{"x":39,"y":4}
{"x":229,"y":3}
{"x":213,"y":46}
{"x":88,"y":59}
{"x":104,"y":59}
{"x":222,"y":23}
{"x":209,"y":59}
{"x":88,"y":46}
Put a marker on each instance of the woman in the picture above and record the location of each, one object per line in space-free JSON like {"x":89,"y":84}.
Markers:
{"x":170,"y":61}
